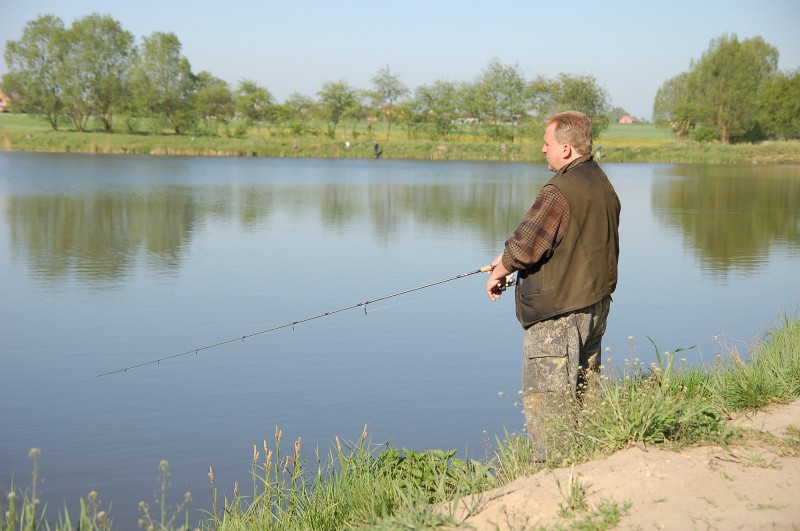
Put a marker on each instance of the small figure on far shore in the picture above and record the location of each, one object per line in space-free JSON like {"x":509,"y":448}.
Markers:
{"x":377,"y":149}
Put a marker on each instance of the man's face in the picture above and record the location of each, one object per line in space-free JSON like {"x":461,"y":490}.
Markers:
{"x":553,"y":151}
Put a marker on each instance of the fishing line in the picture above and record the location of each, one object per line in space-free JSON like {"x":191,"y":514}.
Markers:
{"x":292,"y":324}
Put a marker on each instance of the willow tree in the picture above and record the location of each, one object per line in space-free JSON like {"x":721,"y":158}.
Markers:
{"x":780,"y":104}
{"x":437,"y":107}
{"x":724,"y":84}
{"x":672,"y":107}
{"x":162,"y":81}
{"x":583,"y":93}
{"x":388,"y":89}
{"x":35,"y":63}
{"x":336,"y":100}
{"x":500,"y":98}
{"x":253,"y":102}
{"x":98,"y":58}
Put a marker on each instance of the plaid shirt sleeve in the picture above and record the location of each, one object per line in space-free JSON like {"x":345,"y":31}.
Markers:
{"x":539,"y":232}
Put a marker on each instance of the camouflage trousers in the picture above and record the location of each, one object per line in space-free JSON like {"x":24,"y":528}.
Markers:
{"x":560,"y":356}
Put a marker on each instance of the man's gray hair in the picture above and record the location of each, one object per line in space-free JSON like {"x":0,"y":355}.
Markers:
{"x":573,"y":128}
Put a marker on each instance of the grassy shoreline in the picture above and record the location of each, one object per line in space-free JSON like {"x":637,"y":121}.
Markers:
{"x":620,"y":143}
{"x":364,"y":485}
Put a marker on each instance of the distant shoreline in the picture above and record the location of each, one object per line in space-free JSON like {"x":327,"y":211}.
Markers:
{"x":638,"y":143}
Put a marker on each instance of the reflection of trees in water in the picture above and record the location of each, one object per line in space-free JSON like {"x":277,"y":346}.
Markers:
{"x":99,"y":237}
{"x":731,"y":215}
{"x":102,"y":235}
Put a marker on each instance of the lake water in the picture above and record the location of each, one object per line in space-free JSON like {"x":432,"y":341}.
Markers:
{"x":109,"y":262}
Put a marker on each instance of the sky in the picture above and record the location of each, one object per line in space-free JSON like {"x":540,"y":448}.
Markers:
{"x":295,"y":46}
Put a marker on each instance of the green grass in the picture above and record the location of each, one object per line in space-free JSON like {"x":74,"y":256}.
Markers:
{"x":363,"y":485}
{"x":621,"y":143}
{"x":647,"y":134}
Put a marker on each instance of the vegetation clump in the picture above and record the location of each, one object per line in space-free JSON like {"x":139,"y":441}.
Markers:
{"x":364,"y":485}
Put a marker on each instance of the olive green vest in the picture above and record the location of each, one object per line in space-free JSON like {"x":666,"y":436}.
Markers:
{"x":583,"y":268}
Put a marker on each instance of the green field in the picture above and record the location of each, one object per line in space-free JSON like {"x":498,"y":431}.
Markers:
{"x":620,"y":143}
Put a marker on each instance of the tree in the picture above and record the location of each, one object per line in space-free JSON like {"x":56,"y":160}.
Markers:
{"x":500,"y":99}
{"x":671,"y":106}
{"x":389,"y":88}
{"x":540,"y":95}
{"x":438,"y":106}
{"x":300,"y":106}
{"x":337,"y":99}
{"x":582,"y":93}
{"x":213,"y":100}
{"x":35,"y":64}
{"x":163,"y":82}
{"x":780,"y":104}
{"x":300,"y":109}
{"x":98,"y":58}
{"x":358,"y":111}
{"x":253,"y":102}
{"x":725,"y":82}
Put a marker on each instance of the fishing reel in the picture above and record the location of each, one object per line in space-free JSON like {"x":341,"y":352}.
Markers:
{"x":511,"y":280}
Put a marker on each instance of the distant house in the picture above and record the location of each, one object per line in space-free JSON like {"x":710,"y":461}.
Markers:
{"x":4,"y":103}
{"x":627,"y":119}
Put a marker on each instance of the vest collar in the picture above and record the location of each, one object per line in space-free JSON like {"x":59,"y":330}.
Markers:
{"x":580,"y":160}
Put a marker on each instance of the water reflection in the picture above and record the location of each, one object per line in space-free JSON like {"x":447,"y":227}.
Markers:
{"x":102,"y":235}
{"x":732,"y":216}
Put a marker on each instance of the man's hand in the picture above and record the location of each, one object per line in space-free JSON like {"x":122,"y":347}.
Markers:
{"x":495,"y":287}
{"x":497,"y":279}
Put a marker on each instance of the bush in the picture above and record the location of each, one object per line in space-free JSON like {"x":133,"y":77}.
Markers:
{"x":703,"y":134}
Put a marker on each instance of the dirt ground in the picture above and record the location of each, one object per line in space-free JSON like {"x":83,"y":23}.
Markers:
{"x":750,"y":485}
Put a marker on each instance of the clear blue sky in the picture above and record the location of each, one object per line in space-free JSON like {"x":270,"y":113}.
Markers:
{"x":630,"y":47}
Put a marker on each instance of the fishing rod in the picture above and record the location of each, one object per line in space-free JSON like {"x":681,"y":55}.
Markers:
{"x":292,"y":324}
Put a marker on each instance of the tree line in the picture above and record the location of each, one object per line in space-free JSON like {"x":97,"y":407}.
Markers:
{"x":733,"y":93}
{"x":94,"y":69}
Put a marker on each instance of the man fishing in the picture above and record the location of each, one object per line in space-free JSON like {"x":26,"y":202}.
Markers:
{"x":565,"y":253}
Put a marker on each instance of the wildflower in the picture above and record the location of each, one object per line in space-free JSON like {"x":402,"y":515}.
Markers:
{"x":501,"y":394}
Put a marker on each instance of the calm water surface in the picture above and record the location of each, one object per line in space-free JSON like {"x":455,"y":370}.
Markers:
{"x":109,"y":262}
